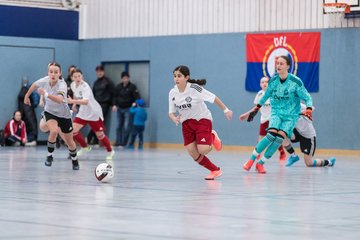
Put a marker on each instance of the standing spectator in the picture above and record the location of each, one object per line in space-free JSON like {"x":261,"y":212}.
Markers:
{"x":68,"y":80}
{"x":140,"y":117}
{"x":28,"y":112}
{"x":103,"y":92}
{"x":15,"y":131}
{"x":124,"y":95}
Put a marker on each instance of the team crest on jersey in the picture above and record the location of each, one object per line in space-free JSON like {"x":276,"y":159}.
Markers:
{"x":188,"y":99}
{"x":173,"y":99}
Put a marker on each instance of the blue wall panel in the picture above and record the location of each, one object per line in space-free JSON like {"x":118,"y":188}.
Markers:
{"x":29,"y":57}
{"x":38,"y":22}
{"x":221,"y":59}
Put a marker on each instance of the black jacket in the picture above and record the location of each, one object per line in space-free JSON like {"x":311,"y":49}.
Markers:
{"x":103,"y":90}
{"x":124,"y":96}
{"x":28,"y":113}
{"x":68,"y":83}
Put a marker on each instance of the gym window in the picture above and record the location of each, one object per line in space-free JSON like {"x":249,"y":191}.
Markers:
{"x":139,"y":75}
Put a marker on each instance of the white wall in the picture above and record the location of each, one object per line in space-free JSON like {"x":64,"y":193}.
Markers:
{"x":136,"y":18}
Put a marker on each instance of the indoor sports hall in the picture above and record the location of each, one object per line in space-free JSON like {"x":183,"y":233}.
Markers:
{"x":107,"y":130}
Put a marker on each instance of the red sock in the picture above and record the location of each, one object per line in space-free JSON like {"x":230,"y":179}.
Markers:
{"x":281,"y":149}
{"x":205,"y":162}
{"x":106,"y":142}
{"x":78,"y":137}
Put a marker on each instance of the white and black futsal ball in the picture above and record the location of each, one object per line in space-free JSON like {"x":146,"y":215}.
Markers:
{"x":104,"y":172}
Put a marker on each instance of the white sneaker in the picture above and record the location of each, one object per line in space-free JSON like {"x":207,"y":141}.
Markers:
{"x":84,"y":150}
{"x":31,"y":144}
{"x":110,"y":155}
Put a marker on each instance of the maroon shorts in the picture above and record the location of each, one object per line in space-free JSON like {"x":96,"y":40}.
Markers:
{"x":96,"y":126}
{"x":263,"y":127}
{"x":199,"y":131}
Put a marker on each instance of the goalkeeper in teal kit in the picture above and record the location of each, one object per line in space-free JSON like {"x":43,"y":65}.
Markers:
{"x":285,"y":91}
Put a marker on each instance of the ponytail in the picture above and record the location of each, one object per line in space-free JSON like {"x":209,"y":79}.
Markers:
{"x":186,"y":72}
{"x":200,"y":82}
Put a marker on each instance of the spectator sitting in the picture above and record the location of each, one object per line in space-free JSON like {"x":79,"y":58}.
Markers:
{"x":15,"y":131}
{"x":140,"y":117}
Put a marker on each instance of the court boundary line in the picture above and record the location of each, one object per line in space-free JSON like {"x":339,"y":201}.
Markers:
{"x":343,"y":152}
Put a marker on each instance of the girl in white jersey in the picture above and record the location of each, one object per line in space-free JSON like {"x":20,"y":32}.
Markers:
{"x":188,"y":99}
{"x":56,"y":111}
{"x":89,"y":112}
{"x":265,"y":112}
{"x":304,"y":132}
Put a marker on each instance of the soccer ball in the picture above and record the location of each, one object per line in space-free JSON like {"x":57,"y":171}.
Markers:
{"x":104,"y":172}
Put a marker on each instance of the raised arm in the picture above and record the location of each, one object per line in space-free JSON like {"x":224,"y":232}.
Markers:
{"x":304,"y":95}
{"x":266,"y":96}
{"x":249,"y":115}
{"x":78,"y":101}
{"x":59,"y":98}
{"x":228,"y":113}
{"x":212,"y":98}
{"x":27,"y":95}
{"x":86,"y":94}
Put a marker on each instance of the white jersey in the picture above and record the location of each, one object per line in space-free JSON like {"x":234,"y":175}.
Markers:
{"x":305,"y":127}
{"x":60,"y":110}
{"x":265,"y":110}
{"x":191,"y":103}
{"x":92,"y":111}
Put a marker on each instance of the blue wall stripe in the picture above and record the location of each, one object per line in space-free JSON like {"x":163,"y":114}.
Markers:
{"x":39,"y":22}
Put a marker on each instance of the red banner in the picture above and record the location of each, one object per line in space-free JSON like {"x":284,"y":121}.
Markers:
{"x":302,"y":48}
